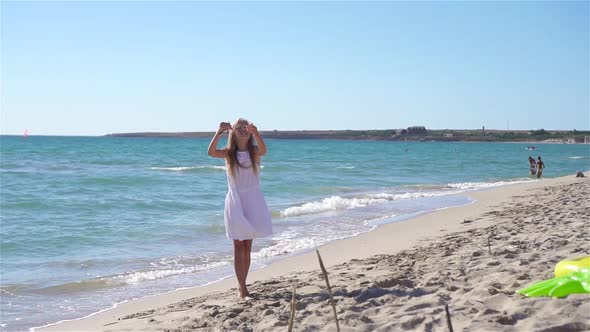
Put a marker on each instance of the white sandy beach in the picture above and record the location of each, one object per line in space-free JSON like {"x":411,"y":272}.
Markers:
{"x":401,"y":275}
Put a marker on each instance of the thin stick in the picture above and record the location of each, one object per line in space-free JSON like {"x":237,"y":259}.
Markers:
{"x":492,"y":234}
{"x":293,"y":305}
{"x":480,"y":248}
{"x":325,"y":273}
{"x":449,"y":324}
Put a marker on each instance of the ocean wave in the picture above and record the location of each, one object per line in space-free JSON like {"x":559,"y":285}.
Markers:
{"x":190,"y":168}
{"x":483,"y":185}
{"x":426,"y":186}
{"x":130,"y":278}
{"x":328,"y":204}
{"x":138,"y":277}
{"x":413,"y":195}
{"x":12,"y":290}
{"x":334,"y":203}
{"x":25,"y":204}
{"x":75,"y":287}
{"x":288,"y":244}
{"x":578,"y":157}
{"x":133,"y":180}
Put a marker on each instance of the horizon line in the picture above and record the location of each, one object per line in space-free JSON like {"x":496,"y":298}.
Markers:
{"x":294,"y":130}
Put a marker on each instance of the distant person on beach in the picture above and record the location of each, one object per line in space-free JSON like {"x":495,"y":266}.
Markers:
{"x":540,"y":167}
{"x":532,"y":166}
{"x":246,"y":214}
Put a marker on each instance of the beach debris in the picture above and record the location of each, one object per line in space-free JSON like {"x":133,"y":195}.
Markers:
{"x":577,"y":282}
{"x":449,"y":323}
{"x":572,"y":276}
{"x":325,"y":274}
{"x":567,"y":266}
{"x":293,"y":308}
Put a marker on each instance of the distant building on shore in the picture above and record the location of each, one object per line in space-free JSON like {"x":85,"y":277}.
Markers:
{"x":417,"y":130}
{"x":411,"y":131}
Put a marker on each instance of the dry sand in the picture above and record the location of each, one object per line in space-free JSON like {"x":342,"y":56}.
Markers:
{"x":401,"y":276}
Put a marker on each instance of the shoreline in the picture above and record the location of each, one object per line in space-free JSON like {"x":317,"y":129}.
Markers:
{"x":308,"y":251}
{"x":407,"y":234}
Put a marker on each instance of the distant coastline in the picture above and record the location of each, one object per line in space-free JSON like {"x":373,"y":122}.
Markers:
{"x":409,"y":134}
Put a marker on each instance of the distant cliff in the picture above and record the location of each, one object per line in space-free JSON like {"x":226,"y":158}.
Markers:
{"x":416,"y":133}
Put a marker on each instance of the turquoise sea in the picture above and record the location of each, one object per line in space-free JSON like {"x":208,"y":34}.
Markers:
{"x":88,"y":222}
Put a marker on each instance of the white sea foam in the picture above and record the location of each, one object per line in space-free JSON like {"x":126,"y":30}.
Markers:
{"x":412,"y":195}
{"x":578,"y":157}
{"x":342,"y":203}
{"x":286,"y":246}
{"x":483,"y":185}
{"x":330,"y":203}
{"x":138,"y":277}
{"x":189,"y":168}
{"x":132,"y":278}
{"x":292,"y":241}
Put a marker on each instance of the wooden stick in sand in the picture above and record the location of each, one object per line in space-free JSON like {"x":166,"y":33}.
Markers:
{"x":449,"y":324}
{"x":492,"y":234}
{"x":293,"y":304}
{"x":325,"y":273}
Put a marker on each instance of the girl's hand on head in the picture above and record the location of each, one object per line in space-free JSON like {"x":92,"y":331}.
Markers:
{"x":223,"y":127}
{"x":252,"y":128}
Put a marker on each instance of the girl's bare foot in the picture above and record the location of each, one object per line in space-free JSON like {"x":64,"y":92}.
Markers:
{"x":243,"y":294}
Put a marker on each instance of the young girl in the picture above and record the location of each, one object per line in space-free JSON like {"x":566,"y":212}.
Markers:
{"x":246,"y":214}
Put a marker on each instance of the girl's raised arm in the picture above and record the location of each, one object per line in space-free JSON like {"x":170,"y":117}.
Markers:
{"x":213,"y":151}
{"x":261,"y":146}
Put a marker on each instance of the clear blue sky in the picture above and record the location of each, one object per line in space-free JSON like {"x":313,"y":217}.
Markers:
{"x":92,"y":68}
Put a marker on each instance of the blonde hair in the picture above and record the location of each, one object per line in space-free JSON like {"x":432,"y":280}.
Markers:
{"x":232,"y":150}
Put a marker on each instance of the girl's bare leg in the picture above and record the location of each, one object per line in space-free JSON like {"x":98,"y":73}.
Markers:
{"x":247,"y":251}
{"x":239,"y":267}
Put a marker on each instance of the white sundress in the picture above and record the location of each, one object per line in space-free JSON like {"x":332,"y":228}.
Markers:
{"x":246,"y":214}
